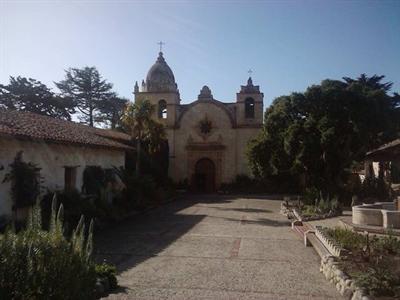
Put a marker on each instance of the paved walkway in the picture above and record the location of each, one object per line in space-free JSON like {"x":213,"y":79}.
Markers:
{"x":213,"y":247}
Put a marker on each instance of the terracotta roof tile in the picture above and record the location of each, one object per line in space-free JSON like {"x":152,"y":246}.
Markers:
{"x":26,"y":125}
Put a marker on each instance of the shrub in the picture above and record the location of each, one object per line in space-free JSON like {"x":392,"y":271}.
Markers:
{"x":138,"y":190}
{"x":386,"y":245}
{"x":379,"y":280}
{"x":375,"y":188}
{"x":38,"y":264}
{"x":74,"y":207}
{"x":310,"y":196}
{"x":109,"y":272}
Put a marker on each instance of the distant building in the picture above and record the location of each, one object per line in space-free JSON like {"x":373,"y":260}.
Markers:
{"x":62,"y":150}
{"x":207,"y":138}
{"x":386,"y":159}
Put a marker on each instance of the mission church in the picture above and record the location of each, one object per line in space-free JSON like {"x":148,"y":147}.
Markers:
{"x":207,"y":138}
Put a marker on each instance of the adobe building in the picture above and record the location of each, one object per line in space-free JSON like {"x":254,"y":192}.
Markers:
{"x":61,"y":149}
{"x":207,"y":138}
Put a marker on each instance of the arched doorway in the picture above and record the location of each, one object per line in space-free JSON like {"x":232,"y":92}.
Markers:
{"x":204,"y":176}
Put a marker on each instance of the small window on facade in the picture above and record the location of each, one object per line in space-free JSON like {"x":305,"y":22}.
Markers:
{"x":162,"y":109}
{"x":69,"y":178}
{"x":249,"y":108}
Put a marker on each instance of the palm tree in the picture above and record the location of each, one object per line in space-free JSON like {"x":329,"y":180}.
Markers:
{"x":373,"y":82}
{"x":137,"y":119}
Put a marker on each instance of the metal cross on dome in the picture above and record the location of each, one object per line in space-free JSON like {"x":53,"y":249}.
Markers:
{"x":250,"y":71}
{"x":161,"y":44}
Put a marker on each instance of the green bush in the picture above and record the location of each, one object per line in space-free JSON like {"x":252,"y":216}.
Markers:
{"x":139,"y":190}
{"x":319,"y":205}
{"x":74,"y":207}
{"x":379,"y":280}
{"x":108,"y":271}
{"x":375,"y":188}
{"x":39,"y":264}
{"x":386,"y":245}
{"x":310,"y":196}
{"x":347,"y":239}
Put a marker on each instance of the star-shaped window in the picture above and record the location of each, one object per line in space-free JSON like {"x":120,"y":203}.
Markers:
{"x":205,"y":126}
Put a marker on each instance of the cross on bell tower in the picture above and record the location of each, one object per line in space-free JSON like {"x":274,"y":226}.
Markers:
{"x":160,"y":43}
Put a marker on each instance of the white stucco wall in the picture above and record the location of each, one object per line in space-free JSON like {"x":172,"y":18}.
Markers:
{"x":52,"y":159}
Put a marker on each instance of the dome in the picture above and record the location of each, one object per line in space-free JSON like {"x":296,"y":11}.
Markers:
{"x":160,"y":77}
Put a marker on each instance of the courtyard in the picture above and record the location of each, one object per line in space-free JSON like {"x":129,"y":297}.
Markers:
{"x":213,"y":247}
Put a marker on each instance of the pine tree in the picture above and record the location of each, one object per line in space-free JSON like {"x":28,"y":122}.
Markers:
{"x":88,"y":90}
{"x":27,"y":94}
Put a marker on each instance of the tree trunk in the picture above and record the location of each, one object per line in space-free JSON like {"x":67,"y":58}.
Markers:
{"x":138,"y":155}
{"x":91,"y":118}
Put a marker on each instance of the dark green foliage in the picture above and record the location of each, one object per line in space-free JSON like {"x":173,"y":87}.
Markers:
{"x":88,"y":91}
{"x":111,"y":111}
{"x":379,"y":280}
{"x":108,"y":271}
{"x":25,"y":182}
{"x":314,"y":138}
{"x":38,"y":264}
{"x":374,"y":188}
{"x":321,"y":205}
{"x":373,"y":82}
{"x":155,"y":162}
{"x":74,"y":207}
{"x":395,"y":172}
{"x":28,"y":94}
{"x":94,"y":178}
{"x":138,"y":190}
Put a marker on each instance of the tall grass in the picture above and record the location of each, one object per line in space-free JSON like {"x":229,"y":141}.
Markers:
{"x":39,"y":264}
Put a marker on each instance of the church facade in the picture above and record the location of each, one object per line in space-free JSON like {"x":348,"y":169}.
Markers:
{"x":207,"y":138}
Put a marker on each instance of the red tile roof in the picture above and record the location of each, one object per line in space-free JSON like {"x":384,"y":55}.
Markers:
{"x":26,"y":125}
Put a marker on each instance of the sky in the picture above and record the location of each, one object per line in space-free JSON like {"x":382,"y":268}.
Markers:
{"x":289,"y":45}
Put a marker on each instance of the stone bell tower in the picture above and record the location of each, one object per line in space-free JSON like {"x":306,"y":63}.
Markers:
{"x":161,"y":90}
{"x":249,"y":107}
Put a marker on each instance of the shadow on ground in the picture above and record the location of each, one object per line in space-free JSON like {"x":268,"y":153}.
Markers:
{"x":143,"y":236}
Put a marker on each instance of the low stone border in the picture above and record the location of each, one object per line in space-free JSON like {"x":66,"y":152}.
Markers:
{"x":318,"y":217}
{"x":344,"y":284}
{"x":333,"y":247}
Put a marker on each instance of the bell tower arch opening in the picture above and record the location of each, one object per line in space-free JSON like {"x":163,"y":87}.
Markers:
{"x":162,"y":109}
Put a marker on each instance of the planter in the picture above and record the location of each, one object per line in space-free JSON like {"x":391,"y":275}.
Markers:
{"x":333,"y":247}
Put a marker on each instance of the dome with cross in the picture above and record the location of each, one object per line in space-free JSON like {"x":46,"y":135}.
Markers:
{"x":160,"y":77}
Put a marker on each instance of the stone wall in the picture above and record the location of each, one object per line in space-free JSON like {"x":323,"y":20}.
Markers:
{"x":343,"y":283}
{"x":52,"y":158}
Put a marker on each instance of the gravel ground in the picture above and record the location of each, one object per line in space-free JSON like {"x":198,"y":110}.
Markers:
{"x":213,"y":247}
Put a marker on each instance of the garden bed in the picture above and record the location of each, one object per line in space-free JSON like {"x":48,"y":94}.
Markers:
{"x":297,"y":210}
{"x":372,"y":262}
